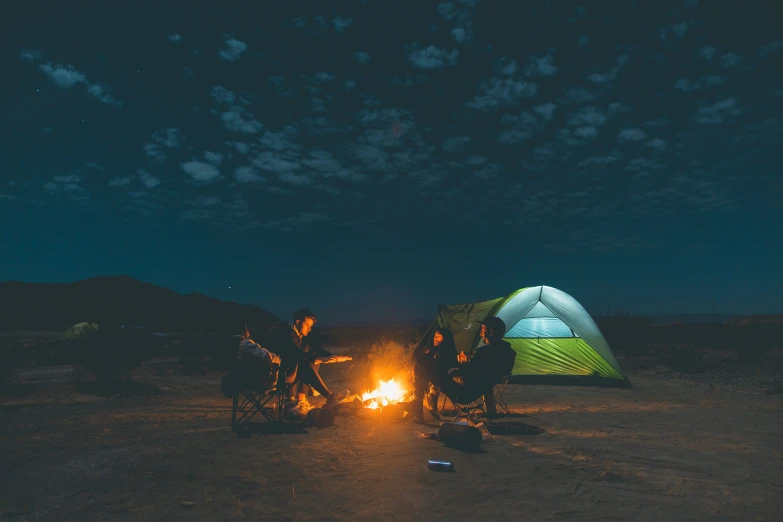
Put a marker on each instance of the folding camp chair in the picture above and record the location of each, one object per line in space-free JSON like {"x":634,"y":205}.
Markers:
{"x":465,"y":410}
{"x":259,"y":399}
{"x":255,"y":394}
{"x":499,"y":392}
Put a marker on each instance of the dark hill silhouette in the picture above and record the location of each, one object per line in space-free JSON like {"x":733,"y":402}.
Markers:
{"x":122,"y":300}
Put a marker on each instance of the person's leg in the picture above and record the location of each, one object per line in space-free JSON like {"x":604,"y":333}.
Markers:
{"x":423,"y":374}
{"x":286,"y":377}
{"x":432,"y":397}
{"x":305,"y":389}
{"x":309,"y":375}
{"x":490,"y":404}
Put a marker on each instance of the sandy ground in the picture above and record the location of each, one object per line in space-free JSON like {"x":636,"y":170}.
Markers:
{"x":662,"y":451}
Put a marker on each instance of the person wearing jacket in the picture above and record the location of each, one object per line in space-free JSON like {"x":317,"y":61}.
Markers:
{"x":431,"y":368}
{"x":299,"y":358}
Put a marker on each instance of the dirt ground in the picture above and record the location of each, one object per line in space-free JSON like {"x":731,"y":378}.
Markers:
{"x":663,"y":450}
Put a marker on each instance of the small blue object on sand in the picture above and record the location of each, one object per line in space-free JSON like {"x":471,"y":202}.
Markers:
{"x":437,"y":465}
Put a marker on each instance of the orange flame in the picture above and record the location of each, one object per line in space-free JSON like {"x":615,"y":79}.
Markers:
{"x":388,"y":392}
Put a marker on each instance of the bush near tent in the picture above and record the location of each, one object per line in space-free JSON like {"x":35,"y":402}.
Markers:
{"x":111,"y":353}
{"x":630,"y":334}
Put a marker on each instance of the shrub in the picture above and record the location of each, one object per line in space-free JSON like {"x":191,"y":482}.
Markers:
{"x":684,"y":358}
{"x":627,"y":333}
{"x":112,"y":353}
{"x":11,"y":359}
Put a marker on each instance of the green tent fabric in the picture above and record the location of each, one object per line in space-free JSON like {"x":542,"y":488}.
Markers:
{"x":556,"y":340}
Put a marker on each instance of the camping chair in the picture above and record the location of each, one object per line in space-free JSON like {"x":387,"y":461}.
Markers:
{"x":466,"y":410}
{"x":254,"y":395}
{"x":499,"y":392}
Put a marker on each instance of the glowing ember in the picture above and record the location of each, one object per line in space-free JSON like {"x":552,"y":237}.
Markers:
{"x":389,"y":392}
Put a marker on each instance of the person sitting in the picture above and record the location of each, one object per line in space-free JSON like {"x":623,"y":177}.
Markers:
{"x":478,"y":376}
{"x":300,"y":360}
{"x":431,"y":367}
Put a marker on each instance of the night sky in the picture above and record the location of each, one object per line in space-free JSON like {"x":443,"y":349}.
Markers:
{"x":371,"y":159}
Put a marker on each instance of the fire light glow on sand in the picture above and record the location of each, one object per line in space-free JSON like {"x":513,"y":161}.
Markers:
{"x":388,"y":392}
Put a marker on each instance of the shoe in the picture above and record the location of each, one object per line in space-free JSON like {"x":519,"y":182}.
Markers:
{"x":301,"y":408}
{"x":336,"y":398}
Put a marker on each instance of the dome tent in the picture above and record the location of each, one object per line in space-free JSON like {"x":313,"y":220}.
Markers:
{"x":556,"y":340}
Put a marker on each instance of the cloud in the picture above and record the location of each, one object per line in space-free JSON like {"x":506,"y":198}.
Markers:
{"x":576,"y":137}
{"x":323,"y":77}
{"x":770,"y":48}
{"x":169,"y":137}
{"x":716,"y":113}
{"x":541,"y":66}
{"x":97,"y":91}
{"x":455,"y":143}
{"x":362,"y":57}
{"x":119,"y":182}
{"x":154,"y":151}
{"x":30,"y":55}
{"x":213,"y":157}
{"x":242,"y":148}
{"x":248,"y":174}
{"x":659,"y":122}
{"x":294,"y":179}
{"x":147,"y":179}
{"x":233,"y":50}
{"x":586,"y":132}
{"x":578,"y":95}
{"x":707,"y":52}
{"x":686,"y":85}
{"x":200,"y":171}
{"x":613,"y":72}
{"x":589,"y":116}
{"x":174,"y":37}
{"x":63,"y":76}
{"x":93,"y":165}
{"x":496,"y":92}
{"x":597,"y":160}
{"x":631,"y":134}
{"x":730,"y":60}
{"x":222,"y":95}
{"x":273,"y":163}
{"x":674,"y":31}
{"x":657,"y":144}
{"x":7,"y":197}
{"x":71,"y":178}
{"x":282,"y":140}
{"x":239,"y":120}
{"x":546,"y":110}
{"x":340,"y":23}
{"x":432,"y":57}
{"x":69,"y":184}
{"x":66,"y":76}
{"x":298,"y":222}
{"x":583,"y":40}
{"x":522,"y":127}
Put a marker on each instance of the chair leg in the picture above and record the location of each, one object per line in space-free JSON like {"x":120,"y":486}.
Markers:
{"x":500,"y":397}
{"x":234,"y":411}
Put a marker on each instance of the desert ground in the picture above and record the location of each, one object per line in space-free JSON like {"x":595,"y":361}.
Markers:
{"x":668,"y":449}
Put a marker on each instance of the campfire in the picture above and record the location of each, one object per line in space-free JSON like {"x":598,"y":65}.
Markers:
{"x":387,"y":393}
